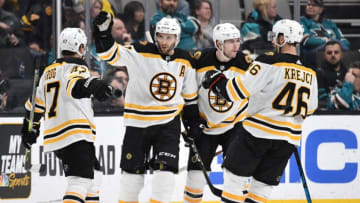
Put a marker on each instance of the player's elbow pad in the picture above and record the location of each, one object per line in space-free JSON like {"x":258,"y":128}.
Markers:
{"x":79,"y":90}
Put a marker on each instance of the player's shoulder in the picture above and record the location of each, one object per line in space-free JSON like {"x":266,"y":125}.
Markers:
{"x":268,"y":58}
{"x":205,"y":57}
{"x":67,"y":62}
{"x":143,"y":47}
{"x":181,"y":54}
{"x":242,"y":61}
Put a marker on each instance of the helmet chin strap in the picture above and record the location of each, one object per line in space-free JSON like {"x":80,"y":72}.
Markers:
{"x":278,"y":46}
{"x":222,"y":54}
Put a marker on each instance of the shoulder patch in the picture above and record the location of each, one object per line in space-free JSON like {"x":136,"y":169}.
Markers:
{"x":143,"y":42}
{"x":248,"y":59}
{"x":195,"y":55}
{"x":269,"y":53}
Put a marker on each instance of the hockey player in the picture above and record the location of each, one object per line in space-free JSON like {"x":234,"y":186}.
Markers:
{"x":282,"y":93}
{"x":221,"y":116}
{"x":63,"y":98}
{"x":161,"y":77}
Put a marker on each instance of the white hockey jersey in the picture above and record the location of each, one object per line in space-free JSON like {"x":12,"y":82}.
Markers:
{"x":282,"y":93}
{"x":66,"y":119}
{"x":220,"y":114}
{"x":159,"y":85}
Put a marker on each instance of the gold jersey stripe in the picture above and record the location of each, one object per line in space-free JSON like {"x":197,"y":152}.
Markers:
{"x":189,"y":96}
{"x":280,"y":123}
{"x":271,"y":130}
{"x":151,"y":117}
{"x":67,"y":123}
{"x":111,"y":52}
{"x":257,"y":198}
{"x":284,"y":64}
{"x":67,"y":134}
{"x":135,"y":106}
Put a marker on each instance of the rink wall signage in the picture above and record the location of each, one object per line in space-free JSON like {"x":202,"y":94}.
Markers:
{"x":15,"y":182}
{"x":329,"y":152}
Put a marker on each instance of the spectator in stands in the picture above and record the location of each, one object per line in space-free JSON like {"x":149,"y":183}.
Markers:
{"x":120,"y":33}
{"x":36,"y":22}
{"x":100,"y":5}
{"x":11,"y":34}
{"x":203,"y":11}
{"x":348,"y":96}
{"x":183,"y":6}
{"x":332,"y":71}
{"x":134,"y":20}
{"x":317,"y":31}
{"x":189,"y":26}
{"x":256,"y":31}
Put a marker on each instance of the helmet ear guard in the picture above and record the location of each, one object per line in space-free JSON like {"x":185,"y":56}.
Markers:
{"x":168,"y":25}
{"x":71,"y":39}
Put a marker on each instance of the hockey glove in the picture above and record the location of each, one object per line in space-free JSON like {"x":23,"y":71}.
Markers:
{"x":99,"y":88}
{"x":102,"y":25}
{"x":29,"y":137}
{"x":193,"y":130}
{"x":211,"y":78}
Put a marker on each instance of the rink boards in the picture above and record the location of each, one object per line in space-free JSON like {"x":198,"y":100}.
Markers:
{"x":330,"y":155}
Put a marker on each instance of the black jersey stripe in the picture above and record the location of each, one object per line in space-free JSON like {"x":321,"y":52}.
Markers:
{"x":68,"y":128}
{"x":149,"y":112}
{"x":114,"y":54}
{"x":92,"y":198}
{"x":238,"y":113}
{"x":275,"y":127}
{"x":224,"y":199}
{"x":191,"y":100}
{"x":73,"y":197}
{"x":192,"y":195}
{"x":238,"y":91}
{"x":40,"y":107}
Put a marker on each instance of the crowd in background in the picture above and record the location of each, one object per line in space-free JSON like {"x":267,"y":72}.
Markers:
{"x":26,"y":30}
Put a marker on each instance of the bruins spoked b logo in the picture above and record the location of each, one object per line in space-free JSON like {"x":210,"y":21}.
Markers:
{"x":219,"y":104}
{"x":163,"y":87}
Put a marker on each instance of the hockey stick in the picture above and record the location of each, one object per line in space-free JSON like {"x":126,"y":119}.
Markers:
{"x":148,"y":37}
{"x":193,"y":147}
{"x":185,"y":167}
{"x":302,"y":175}
{"x":27,"y":162}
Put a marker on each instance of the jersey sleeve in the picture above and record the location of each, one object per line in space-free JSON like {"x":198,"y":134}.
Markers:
{"x":314,"y":99}
{"x":190,"y":87}
{"x":39,"y":102}
{"x":117,"y":55}
{"x":76,"y":73}
{"x":255,"y":79}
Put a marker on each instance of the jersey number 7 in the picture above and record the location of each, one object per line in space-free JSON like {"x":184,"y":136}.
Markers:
{"x":287,"y":94}
{"x":49,"y":86}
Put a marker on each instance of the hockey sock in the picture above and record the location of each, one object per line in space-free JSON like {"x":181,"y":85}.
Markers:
{"x":258,"y":192}
{"x":76,"y":189}
{"x":234,"y":186}
{"x":163,"y":183}
{"x":130,"y":186}
{"x":92,"y":195}
{"x":194,"y":187}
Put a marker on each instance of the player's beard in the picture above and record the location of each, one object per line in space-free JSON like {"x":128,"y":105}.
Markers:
{"x":167,"y":50}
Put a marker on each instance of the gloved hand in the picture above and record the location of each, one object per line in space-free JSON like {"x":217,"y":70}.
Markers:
{"x":99,"y":88}
{"x":211,"y":78}
{"x":29,"y":137}
{"x":193,"y":129}
{"x":103,"y":24}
